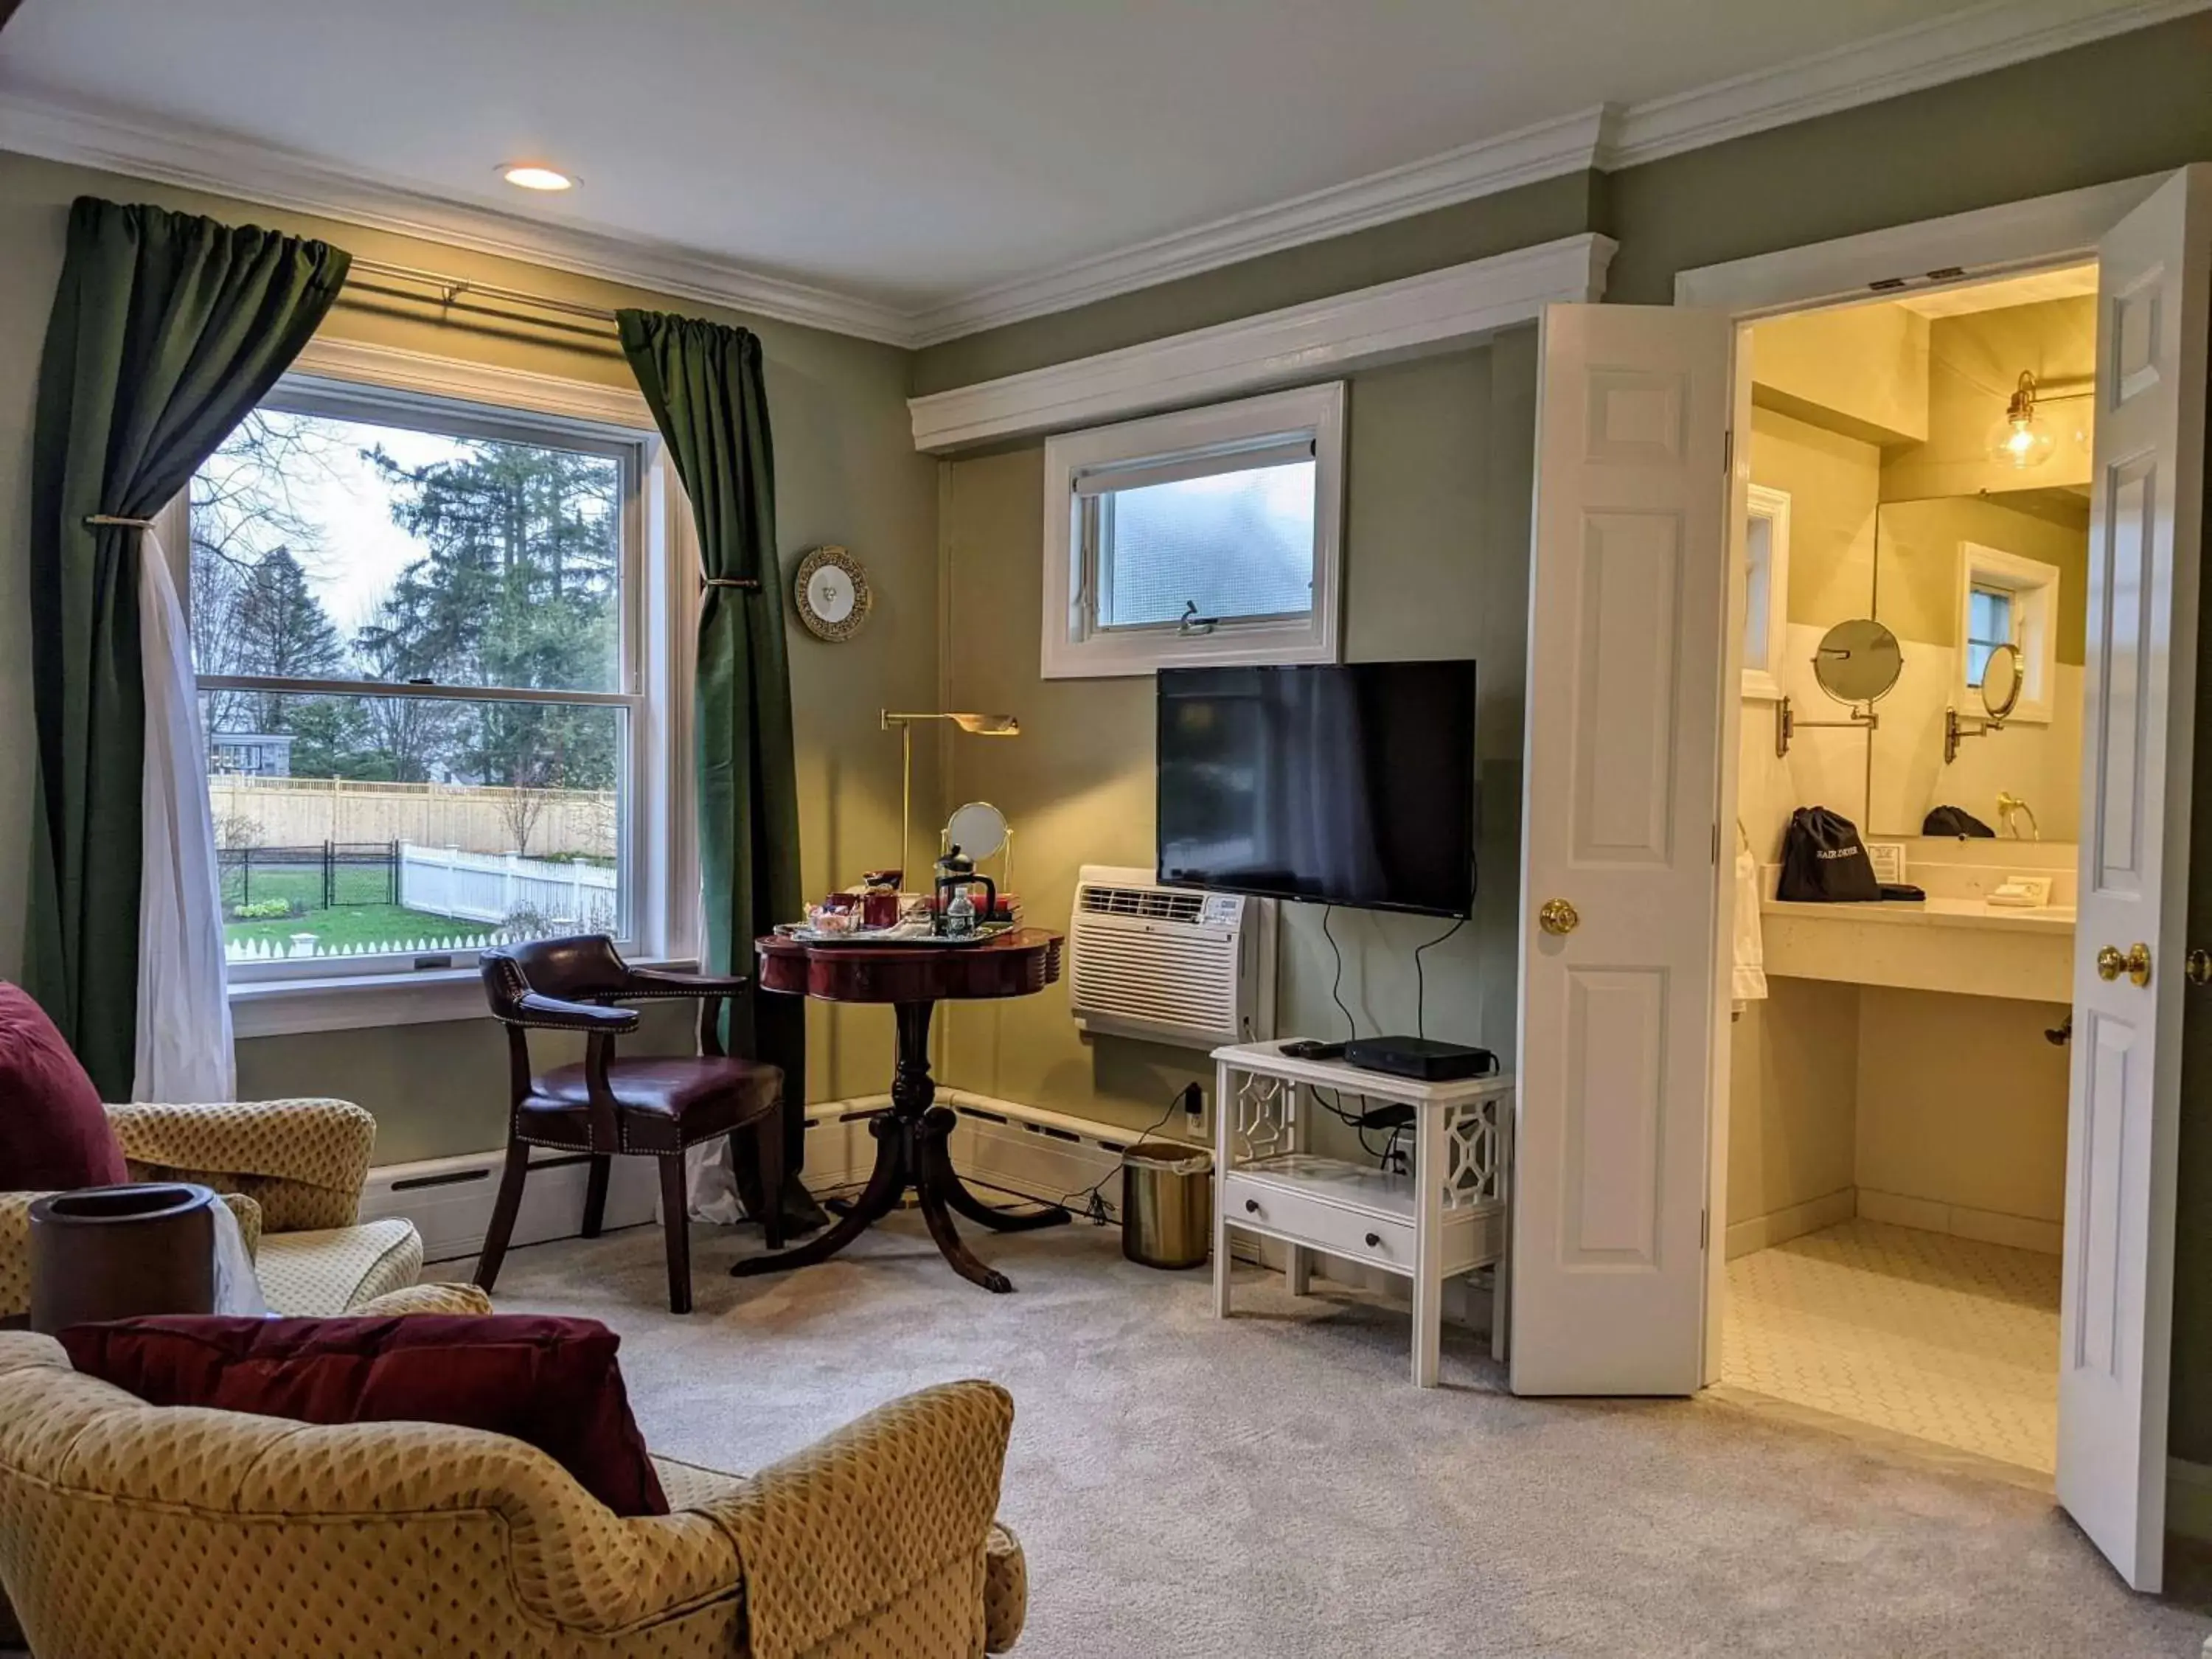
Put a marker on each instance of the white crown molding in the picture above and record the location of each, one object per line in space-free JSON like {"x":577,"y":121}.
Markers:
{"x":1910,"y":59}
{"x":1953,"y":47}
{"x":1921,"y":55}
{"x":1315,"y":341}
{"x":197,"y":158}
{"x":1547,"y":150}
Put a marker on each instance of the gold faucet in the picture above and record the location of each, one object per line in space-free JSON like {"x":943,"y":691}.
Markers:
{"x":2007,"y":804}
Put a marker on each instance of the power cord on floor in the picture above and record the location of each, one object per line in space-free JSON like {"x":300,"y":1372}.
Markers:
{"x":1093,"y":1206}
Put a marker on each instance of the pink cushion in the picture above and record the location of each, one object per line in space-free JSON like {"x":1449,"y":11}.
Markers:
{"x":54,"y":1133}
{"x":551,"y":1382}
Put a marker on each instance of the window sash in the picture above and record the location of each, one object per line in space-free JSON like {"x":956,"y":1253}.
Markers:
{"x":1182,"y":465}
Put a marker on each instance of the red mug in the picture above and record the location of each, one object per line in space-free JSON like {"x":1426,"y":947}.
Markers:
{"x":879,"y":908}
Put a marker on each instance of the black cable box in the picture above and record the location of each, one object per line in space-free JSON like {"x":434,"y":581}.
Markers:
{"x":1423,"y":1058}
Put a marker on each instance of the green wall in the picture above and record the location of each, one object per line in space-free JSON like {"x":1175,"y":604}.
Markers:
{"x":846,"y":472}
{"x":1438,"y":469}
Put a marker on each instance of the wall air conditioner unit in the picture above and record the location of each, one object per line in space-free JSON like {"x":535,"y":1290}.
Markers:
{"x":1170,"y":964}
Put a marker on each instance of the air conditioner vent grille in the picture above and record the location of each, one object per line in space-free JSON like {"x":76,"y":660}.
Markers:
{"x":1144,"y":903}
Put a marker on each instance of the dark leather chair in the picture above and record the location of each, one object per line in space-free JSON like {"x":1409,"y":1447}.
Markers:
{"x":655,"y":1106}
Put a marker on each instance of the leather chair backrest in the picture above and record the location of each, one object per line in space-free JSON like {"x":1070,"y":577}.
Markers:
{"x":580,"y":968}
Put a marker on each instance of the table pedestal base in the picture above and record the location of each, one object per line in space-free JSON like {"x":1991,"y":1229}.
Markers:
{"x":913,"y":1149}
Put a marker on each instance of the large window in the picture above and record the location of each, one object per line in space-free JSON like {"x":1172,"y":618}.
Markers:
{"x":419,"y":626}
{"x":1207,"y":536}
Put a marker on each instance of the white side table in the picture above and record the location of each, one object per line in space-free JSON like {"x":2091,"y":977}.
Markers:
{"x":1445,"y":1218}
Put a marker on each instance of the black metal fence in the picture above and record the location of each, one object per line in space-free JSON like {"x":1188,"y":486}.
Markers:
{"x":311,"y":877}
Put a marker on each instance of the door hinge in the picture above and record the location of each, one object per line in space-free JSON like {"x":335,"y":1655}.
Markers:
{"x":1704,"y":1229}
{"x":1728,"y":451}
{"x":1717,"y":846}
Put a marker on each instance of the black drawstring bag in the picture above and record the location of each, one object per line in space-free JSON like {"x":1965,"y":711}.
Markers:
{"x":1824,"y":861}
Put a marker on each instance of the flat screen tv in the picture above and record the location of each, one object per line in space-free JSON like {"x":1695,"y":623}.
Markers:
{"x":1340,"y":784}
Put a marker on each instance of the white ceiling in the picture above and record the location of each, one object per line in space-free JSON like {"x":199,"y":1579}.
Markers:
{"x":908,"y":153}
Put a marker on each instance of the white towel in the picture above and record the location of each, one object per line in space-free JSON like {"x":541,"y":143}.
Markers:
{"x":1750,"y":980}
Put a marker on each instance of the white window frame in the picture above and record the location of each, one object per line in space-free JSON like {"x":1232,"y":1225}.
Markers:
{"x":2034,"y":589}
{"x":656,"y":825}
{"x":1073,"y":648}
{"x":1766,"y":558}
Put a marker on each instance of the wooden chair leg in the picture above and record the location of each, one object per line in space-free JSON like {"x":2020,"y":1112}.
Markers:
{"x":768,"y":1152}
{"x":503,"y":1212}
{"x":676,"y":1217}
{"x":595,"y":1194}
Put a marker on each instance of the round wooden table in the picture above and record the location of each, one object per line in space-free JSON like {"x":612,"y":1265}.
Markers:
{"x":912,"y":1138}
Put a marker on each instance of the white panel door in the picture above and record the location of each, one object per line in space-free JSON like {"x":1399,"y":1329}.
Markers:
{"x":1629,"y":591}
{"x":2138,"y":734}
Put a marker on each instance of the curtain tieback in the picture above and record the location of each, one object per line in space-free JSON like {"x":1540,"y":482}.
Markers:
{"x":747,"y":584}
{"x":109,"y":518}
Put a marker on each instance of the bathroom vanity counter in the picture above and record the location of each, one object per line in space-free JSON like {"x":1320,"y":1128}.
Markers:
{"x":1959,"y":944}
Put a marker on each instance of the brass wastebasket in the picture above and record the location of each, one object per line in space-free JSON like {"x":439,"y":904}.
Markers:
{"x":1167,"y":1205}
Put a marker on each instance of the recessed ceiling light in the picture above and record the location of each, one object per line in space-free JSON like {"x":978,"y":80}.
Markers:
{"x":531,"y":176}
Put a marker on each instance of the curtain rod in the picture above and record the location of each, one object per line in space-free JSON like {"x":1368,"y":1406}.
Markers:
{"x":454,"y":293}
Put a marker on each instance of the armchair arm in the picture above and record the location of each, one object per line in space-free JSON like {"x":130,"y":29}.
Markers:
{"x":892,"y":1510}
{"x":303,"y":1161}
{"x":709,"y":990}
{"x":552,"y":1013}
{"x":665,"y":982}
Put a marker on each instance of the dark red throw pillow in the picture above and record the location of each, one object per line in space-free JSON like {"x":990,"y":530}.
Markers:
{"x":551,"y":1382}
{"x":54,"y":1133}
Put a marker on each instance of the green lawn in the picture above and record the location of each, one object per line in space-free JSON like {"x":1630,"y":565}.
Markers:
{"x":355,"y":926}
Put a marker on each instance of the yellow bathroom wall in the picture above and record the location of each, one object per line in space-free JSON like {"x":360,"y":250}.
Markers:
{"x":1973,"y":363}
{"x":1862,"y":371}
{"x":1793,"y":1092}
{"x":1961,"y":1121}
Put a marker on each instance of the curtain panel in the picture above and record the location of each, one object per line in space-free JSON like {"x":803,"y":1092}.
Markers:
{"x":703,"y":383}
{"x":167,"y":330}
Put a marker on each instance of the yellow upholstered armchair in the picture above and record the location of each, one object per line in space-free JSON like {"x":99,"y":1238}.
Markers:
{"x":290,"y":1170}
{"x":129,"y":1529}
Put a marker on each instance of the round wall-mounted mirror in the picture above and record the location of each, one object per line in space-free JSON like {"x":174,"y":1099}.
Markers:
{"x":2001,"y":681}
{"x":1857,"y":661}
{"x":978,"y":830}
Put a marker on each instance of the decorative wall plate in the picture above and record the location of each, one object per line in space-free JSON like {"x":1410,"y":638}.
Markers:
{"x":832,"y":593}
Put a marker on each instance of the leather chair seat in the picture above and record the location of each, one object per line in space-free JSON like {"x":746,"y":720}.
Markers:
{"x":662,"y":1103}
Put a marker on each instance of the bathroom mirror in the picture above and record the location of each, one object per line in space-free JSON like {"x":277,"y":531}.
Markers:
{"x":2001,"y":681}
{"x":1858,"y":661}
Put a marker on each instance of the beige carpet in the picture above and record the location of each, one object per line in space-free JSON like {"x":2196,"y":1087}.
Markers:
{"x":1274,"y":1489}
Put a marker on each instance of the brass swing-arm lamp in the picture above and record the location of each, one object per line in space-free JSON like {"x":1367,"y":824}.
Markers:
{"x":980,"y":725}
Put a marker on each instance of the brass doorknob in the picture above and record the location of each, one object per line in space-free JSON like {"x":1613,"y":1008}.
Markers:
{"x":1558,"y":916}
{"x":2134,"y":963}
{"x":2198,"y":966}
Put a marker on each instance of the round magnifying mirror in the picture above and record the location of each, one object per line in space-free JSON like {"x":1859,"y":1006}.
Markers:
{"x":1858,"y":661}
{"x":2001,"y":681}
{"x":978,"y":830}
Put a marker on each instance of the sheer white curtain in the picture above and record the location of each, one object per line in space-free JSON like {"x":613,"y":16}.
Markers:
{"x":184,"y":1001}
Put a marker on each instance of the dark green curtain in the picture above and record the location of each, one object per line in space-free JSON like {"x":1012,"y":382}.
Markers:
{"x":703,"y":383}
{"x":167,"y":331}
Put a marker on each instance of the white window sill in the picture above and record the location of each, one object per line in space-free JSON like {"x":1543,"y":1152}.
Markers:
{"x":354,"y":1002}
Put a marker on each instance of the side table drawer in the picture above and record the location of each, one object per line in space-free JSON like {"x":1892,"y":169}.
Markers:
{"x":1330,"y":1227}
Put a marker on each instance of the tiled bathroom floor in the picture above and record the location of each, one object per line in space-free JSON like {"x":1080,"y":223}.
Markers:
{"x":1917,"y":1333}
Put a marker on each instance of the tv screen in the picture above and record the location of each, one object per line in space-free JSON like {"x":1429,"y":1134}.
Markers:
{"x":1344,"y":784}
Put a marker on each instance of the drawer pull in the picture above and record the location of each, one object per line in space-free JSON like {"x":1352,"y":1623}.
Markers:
{"x":1251,"y":1207}
{"x":1374,"y":1241}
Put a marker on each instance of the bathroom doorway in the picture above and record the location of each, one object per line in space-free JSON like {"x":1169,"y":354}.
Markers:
{"x":1915,"y":573}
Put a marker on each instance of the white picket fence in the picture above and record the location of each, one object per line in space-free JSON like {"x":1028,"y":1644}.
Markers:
{"x":444,"y":881}
{"x":304,"y":945}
